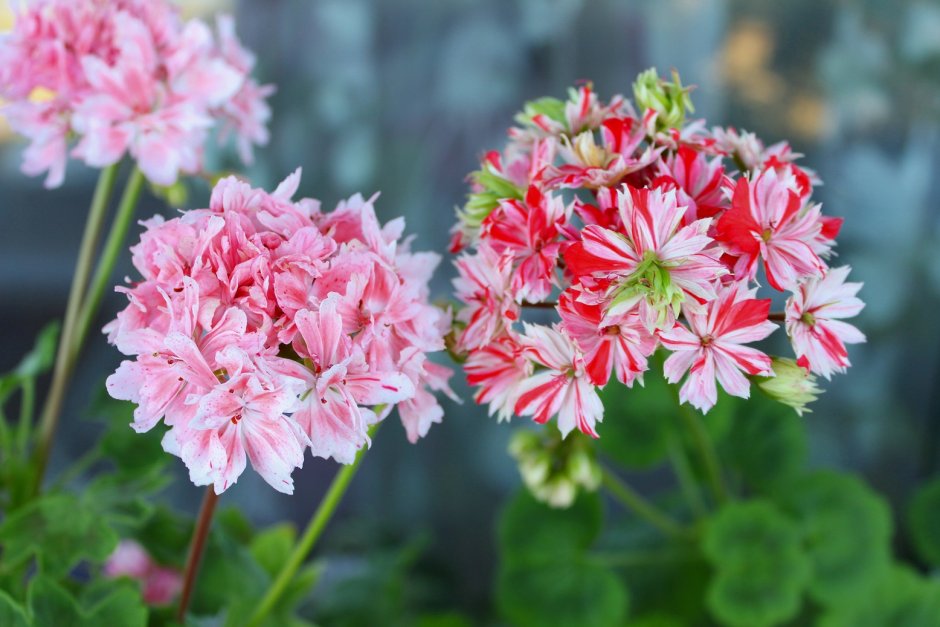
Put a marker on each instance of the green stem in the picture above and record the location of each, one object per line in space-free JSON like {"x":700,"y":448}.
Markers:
{"x":706,"y":451}
{"x":633,"y":500}
{"x":27,"y":403}
{"x":303,"y":547}
{"x":62,"y":370}
{"x":112,"y":249}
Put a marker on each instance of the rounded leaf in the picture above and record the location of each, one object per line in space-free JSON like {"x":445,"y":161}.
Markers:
{"x":528,"y":527}
{"x":923,"y":520}
{"x":561,"y":592}
{"x":847,"y":531}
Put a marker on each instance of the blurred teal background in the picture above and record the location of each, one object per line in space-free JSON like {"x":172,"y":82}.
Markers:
{"x":403,"y":96}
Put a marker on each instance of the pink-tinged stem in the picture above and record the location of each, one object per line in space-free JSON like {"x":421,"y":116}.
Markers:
{"x":777,"y":316}
{"x":526,"y":303}
{"x":196,"y":548}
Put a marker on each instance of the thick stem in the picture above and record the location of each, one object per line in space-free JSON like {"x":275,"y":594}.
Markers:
{"x":777,"y":316}
{"x":196,"y":548}
{"x":112,"y":249}
{"x":706,"y":451}
{"x":547,"y":305}
{"x":633,"y":500}
{"x":64,"y":365}
{"x":303,"y":547}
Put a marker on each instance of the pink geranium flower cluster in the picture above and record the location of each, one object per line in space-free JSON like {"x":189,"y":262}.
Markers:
{"x":640,"y":231}
{"x":126,"y":77}
{"x":263,"y":326}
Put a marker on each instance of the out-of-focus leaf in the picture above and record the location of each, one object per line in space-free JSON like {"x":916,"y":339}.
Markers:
{"x":114,"y":602}
{"x":847,"y":531}
{"x":228,"y":573}
{"x":59,"y":530}
{"x":165,"y":535}
{"x":448,"y":619}
{"x":760,"y":566}
{"x":271,"y":547}
{"x":529,"y":528}
{"x":12,"y":614}
{"x":637,"y":421}
{"x":51,"y":606}
{"x":562,"y":591}
{"x":923,"y":520}
{"x":656,"y":620}
{"x":34,"y":363}
{"x":236,"y":525}
{"x":900,"y":599}
{"x":766,"y":444}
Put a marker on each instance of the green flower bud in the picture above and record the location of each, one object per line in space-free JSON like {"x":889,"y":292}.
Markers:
{"x":555,"y":469}
{"x":791,"y":384}
{"x":669,"y":98}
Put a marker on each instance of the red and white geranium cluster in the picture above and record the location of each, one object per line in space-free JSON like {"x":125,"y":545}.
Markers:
{"x":126,"y":76}
{"x":263,"y":326}
{"x":640,"y":231}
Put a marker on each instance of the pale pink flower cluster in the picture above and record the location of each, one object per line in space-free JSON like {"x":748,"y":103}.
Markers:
{"x":638,"y":235}
{"x":126,"y":77}
{"x":263,"y":326}
{"x":159,"y":584}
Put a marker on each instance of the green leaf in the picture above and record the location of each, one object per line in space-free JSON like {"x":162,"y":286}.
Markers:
{"x":528,"y":528}
{"x":761,"y":569}
{"x":923,"y":520}
{"x":132,"y":453}
{"x":638,"y":421}
{"x":847,"y":531}
{"x":272,"y":547}
{"x":656,"y":620}
{"x":447,"y":619}
{"x":228,"y":573}
{"x":59,"y":530}
{"x":114,"y":602}
{"x":12,"y":613}
{"x":767,"y":444}
{"x":166,"y":535}
{"x":51,"y":605}
{"x":900,"y":599}
{"x":562,"y":591}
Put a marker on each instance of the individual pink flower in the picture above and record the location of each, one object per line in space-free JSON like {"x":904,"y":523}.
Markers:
{"x":712,"y":347}
{"x":160,"y":584}
{"x":766,"y":221}
{"x":563,"y":388}
{"x":620,"y":343}
{"x":337,"y":381}
{"x":655,"y":263}
{"x":815,"y":314}
{"x":698,"y":181}
{"x":529,"y":230}
{"x":484,"y":286}
{"x":497,"y":370}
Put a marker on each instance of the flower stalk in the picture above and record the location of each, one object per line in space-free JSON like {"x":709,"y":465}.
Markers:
{"x":196,"y":548}
{"x":634,"y":501}
{"x":109,"y":254}
{"x":64,"y":363}
{"x":315,"y":527}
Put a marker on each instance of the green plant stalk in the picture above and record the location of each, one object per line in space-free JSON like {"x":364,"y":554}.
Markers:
{"x":27,"y":404}
{"x":634,"y":501}
{"x":109,"y":254}
{"x":62,"y":370}
{"x":304,"y":545}
{"x":707,"y":452}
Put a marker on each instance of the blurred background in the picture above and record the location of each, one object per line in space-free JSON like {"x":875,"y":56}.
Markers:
{"x":403,"y":97}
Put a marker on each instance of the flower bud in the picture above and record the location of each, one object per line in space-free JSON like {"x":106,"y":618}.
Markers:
{"x":791,"y":384}
{"x":555,"y":469}
{"x":668,"y":98}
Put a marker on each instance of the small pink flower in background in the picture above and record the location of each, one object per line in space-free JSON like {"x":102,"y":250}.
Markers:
{"x":159,"y":584}
{"x":263,"y":326}
{"x":712,"y":347}
{"x":815,"y":315}
{"x":126,"y":77}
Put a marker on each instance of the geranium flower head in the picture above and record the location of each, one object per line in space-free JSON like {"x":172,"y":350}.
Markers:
{"x":263,"y":327}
